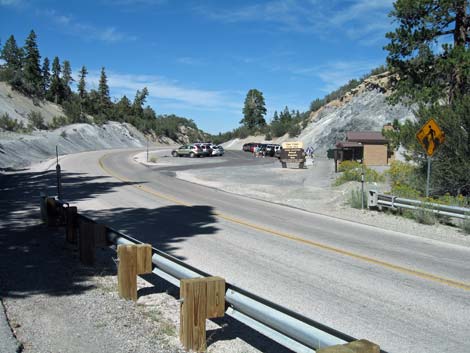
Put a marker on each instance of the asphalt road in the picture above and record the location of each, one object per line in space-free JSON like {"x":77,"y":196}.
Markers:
{"x":406,"y":293}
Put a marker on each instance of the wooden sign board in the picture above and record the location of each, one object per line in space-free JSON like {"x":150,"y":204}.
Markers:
{"x":293,"y":155}
{"x":292,"y":145}
{"x":430,"y":136}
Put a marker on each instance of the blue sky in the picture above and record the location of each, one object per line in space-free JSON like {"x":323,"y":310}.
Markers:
{"x":199,"y":58}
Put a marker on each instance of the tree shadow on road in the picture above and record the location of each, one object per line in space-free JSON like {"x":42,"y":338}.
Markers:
{"x":161,"y":227}
{"x":34,"y":258}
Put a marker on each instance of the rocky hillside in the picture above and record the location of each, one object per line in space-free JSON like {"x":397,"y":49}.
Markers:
{"x":362,"y":109}
{"x":20,"y":149}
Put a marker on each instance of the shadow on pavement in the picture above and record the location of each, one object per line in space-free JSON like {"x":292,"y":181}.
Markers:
{"x":162,"y":227}
{"x":34,"y":258}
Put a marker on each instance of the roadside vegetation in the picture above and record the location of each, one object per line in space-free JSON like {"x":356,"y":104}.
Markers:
{"x":435,"y":80}
{"x":45,"y":81}
{"x":352,"y":171}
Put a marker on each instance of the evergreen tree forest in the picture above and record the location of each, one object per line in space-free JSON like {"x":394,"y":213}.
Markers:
{"x":40,"y":79}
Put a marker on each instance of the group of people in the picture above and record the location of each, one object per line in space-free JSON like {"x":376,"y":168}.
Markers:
{"x":259,"y":152}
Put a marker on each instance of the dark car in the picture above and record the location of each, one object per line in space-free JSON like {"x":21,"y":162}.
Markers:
{"x":271,"y":149}
{"x":247,"y":147}
{"x":205,"y":147}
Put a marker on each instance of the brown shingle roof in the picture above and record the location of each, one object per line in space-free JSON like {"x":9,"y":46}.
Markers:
{"x":365,"y":137}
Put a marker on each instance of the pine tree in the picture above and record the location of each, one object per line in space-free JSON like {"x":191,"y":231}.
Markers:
{"x":46,"y":77}
{"x":139,"y":101}
{"x":56,"y":90}
{"x":436,"y":78}
{"x":285,"y":117}
{"x":13,"y":56}
{"x":31,"y":66}
{"x":103,"y":92}
{"x":66,"y":79}
{"x":82,"y":83}
{"x":254,"y":110}
{"x":427,"y":71}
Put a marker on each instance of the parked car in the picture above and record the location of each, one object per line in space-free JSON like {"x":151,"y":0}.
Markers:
{"x":270,"y":150}
{"x":253,"y":146}
{"x":247,"y":147}
{"x":205,"y":147}
{"x":277,"y":151}
{"x":191,"y":150}
{"x":217,"y":150}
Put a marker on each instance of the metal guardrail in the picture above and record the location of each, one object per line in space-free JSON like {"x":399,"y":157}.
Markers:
{"x":375,"y":199}
{"x":288,"y":328}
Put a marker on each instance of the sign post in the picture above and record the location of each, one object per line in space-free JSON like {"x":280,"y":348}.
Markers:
{"x":57,"y":169}
{"x":430,"y":136}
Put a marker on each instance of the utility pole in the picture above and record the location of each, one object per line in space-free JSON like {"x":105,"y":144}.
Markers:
{"x":428,"y":176}
{"x":147,"y":149}
{"x":362,"y":187}
{"x":57,"y":169}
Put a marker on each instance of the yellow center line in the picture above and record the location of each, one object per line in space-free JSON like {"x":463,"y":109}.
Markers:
{"x":416,"y":273}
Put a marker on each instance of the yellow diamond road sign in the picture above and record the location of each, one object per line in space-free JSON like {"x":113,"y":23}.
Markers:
{"x":430,"y":136}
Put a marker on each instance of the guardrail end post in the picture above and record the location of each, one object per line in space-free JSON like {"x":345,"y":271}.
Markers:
{"x":51,"y":211}
{"x":134,"y":260}
{"x":201,"y":298}
{"x":360,"y":346}
{"x":372,"y":198}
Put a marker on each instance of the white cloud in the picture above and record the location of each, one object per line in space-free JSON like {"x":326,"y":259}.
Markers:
{"x":84,"y":30}
{"x":137,"y":2}
{"x":164,"y":90}
{"x":10,"y":2}
{"x":361,"y":20}
{"x":338,"y":73}
{"x":186,"y":60}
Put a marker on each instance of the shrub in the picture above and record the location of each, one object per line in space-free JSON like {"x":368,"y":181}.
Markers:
{"x":58,"y":121}
{"x":352,"y":170}
{"x":405,"y":180}
{"x":424,"y":215}
{"x":294,"y":130}
{"x":36,"y":120}
{"x":405,"y":191}
{"x":466,"y":224}
{"x":356,"y":198}
{"x":7,"y":123}
{"x":268,"y":136}
{"x":153,"y":159}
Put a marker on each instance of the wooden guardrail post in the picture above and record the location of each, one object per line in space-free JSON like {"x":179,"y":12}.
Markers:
{"x":51,"y":211}
{"x":135,"y":259}
{"x":92,"y":236}
{"x":201,"y":299}
{"x":360,"y":346}
{"x":71,"y":223}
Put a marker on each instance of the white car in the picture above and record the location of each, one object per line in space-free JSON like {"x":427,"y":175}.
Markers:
{"x":217,"y":150}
